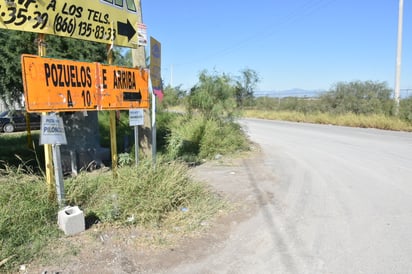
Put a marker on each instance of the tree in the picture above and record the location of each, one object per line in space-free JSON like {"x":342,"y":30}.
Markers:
{"x":213,"y":97}
{"x":13,"y":45}
{"x":358,"y":97}
{"x":123,"y":58}
{"x":173,"y":96}
{"x":245,"y":86}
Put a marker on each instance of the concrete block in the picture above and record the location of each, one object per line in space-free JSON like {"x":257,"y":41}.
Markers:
{"x":71,"y":220}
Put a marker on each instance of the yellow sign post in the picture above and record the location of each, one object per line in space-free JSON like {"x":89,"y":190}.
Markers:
{"x":48,"y":153}
{"x":155,"y":63}
{"x":94,"y":20}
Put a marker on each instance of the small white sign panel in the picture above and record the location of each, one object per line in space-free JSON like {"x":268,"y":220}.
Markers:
{"x":52,"y":130}
{"x":141,"y":34}
{"x":136,"y":117}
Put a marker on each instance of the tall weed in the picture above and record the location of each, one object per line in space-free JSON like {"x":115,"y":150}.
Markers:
{"x":27,"y":217}
{"x":185,"y":136}
{"x":379,"y":121}
{"x":221,"y":138}
{"x":196,"y":138}
{"x":143,"y":195}
{"x":15,"y":149}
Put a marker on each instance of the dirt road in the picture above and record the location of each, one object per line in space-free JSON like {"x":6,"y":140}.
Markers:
{"x":327,"y":199}
{"x":311,"y":199}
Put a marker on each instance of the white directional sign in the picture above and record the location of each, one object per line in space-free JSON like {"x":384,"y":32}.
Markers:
{"x":136,"y":117}
{"x":104,"y":21}
{"x":52,"y":130}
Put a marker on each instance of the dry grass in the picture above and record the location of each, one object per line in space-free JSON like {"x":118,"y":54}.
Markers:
{"x":364,"y":121}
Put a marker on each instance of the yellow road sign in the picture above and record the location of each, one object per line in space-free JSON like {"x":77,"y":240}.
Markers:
{"x":155,"y":63}
{"x":58,"y":85}
{"x":65,"y":85}
{"x":123,"y":88}
{"x":93,"y":20}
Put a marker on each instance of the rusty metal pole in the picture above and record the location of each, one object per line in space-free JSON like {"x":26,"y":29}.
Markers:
{"x":139,"y":60}
{"x":113,"y":138}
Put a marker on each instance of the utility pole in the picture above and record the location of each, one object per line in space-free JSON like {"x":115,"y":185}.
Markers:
{"x":139,"y":60}
{"x":398,"y":59}
{"x":171,"y":75}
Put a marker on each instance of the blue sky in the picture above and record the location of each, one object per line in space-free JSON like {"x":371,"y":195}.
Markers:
{"x":308,"y":44}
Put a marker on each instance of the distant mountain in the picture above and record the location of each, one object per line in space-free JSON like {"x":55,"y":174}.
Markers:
{"x":296,"y":92}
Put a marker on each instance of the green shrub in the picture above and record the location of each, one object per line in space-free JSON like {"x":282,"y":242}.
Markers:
{"x":405,"y":109}
{"x":221,"y":138}
{"x":213,"y":97}
{"x":143,"y":195}
{"x":164,"y":122}
{"x":27,"y":217}
{"x":15,"y":151}
{"x":185,"y":137}
{"x":193,"y":138}
{"x":359,"y":98}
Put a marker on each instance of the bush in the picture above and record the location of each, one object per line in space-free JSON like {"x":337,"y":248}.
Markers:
{"x":221,"y":138}
{"x":193,"y":138}
{"x":27,"y":217}
{"x":147,"y":195}
{"x":143,"y":195}
{"x":405,"y":109}
{"x":359,"y":98}
{"x":185,"y":137}
{"x":213,"y":97}
{"x":173,"y":96}
{"x":164,"y":122}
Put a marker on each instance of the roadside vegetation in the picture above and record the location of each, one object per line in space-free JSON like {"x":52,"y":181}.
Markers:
{"x":164,"y":197}
{"x":161,"y":198}
{"x":378,"y":121}
{"x":356,"y":104}
{"x":17,"y":150}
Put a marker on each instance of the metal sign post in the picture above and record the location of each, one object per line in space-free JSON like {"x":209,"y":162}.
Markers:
{"x":58,"y":174}
{"x":136,"y":144}
{"x":112,"y":123}
{"x":156,"y":81}
{"x":136,"y":119}
{"x":154,"y":133}
{"x":52,"y":133}
{"x":48,"y":154}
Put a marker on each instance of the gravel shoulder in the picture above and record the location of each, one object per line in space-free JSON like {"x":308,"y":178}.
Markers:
{"x":311,"y":199}
{"x":120,"y":250}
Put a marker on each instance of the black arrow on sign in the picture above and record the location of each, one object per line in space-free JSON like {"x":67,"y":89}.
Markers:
{"x":132,"y":96}
{"x":126,"y":29}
